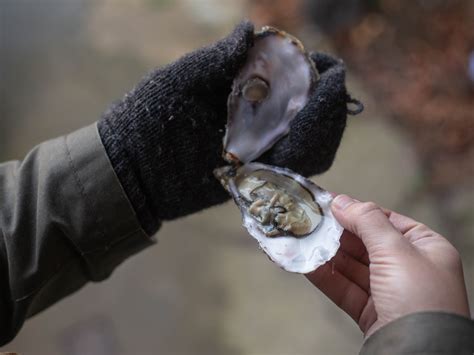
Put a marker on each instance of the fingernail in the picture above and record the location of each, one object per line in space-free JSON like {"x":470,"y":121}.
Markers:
{"x":341,"y":202}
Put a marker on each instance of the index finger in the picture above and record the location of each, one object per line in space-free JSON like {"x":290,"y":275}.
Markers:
{"x":410,"y":228}
{"x":399,"y":221}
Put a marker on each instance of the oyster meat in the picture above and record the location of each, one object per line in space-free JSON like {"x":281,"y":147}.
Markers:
{"x":287,"y":214}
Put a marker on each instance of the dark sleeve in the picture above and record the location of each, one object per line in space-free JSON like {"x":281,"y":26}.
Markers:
{"x":423,"y":333}
{"x":64,"y":221}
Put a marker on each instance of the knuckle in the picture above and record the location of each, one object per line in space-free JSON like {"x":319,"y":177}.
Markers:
{"x":366,"y":208}
{"x":369,"y":206}
{"x":419,"y":231}
{"x":453,"y":255}
{"x":423,"y":228}
{"x":454,"y":263}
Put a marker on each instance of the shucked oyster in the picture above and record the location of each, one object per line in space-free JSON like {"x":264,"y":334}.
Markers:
{"x":288,"y":215}
{"x":267,"y":94}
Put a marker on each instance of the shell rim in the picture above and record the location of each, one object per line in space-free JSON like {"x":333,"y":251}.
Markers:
{"x":269,"y":30}
{"x":304,"y":182}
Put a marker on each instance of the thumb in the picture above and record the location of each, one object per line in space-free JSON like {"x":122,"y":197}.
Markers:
{"x":369,"y":223}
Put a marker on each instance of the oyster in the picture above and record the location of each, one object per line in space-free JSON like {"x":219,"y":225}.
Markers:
{"x":271,"y":88}
{"x":287,"y":214}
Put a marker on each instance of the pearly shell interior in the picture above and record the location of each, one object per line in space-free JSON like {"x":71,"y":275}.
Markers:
{"x":271,"y":88}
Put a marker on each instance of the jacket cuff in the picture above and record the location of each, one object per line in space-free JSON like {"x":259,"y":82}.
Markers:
{"x":109,"y":231}
{"x":423,"y":333}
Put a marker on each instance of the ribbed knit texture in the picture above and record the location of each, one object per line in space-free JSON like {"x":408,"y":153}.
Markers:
{"x":164,"y":138}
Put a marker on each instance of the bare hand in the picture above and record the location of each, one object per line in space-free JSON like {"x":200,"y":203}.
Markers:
{"x":389,"y":266}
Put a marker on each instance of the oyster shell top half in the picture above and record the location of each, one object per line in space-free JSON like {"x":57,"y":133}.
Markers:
{"x":270,"y":89}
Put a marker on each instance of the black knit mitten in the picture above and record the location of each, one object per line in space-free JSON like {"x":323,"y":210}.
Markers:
{"x":164,"y":138}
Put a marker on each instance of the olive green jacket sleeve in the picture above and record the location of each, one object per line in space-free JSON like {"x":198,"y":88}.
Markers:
{"x":64,"y":221}
{"x":423,"y":333}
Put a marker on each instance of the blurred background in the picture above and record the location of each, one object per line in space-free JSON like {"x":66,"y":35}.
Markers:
{"x":206,"y":288}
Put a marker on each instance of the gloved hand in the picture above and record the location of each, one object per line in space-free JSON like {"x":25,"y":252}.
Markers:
{"x":164,"y":138}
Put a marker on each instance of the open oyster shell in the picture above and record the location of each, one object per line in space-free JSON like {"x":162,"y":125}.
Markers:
{"x":270,"y":89}
{"x":288,"y":215}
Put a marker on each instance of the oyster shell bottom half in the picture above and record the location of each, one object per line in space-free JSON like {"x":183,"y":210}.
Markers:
{"x":287,"y":214}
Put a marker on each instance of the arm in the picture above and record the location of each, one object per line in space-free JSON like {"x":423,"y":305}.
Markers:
{"x":64,"y":221}
{"x":79,"y":205}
